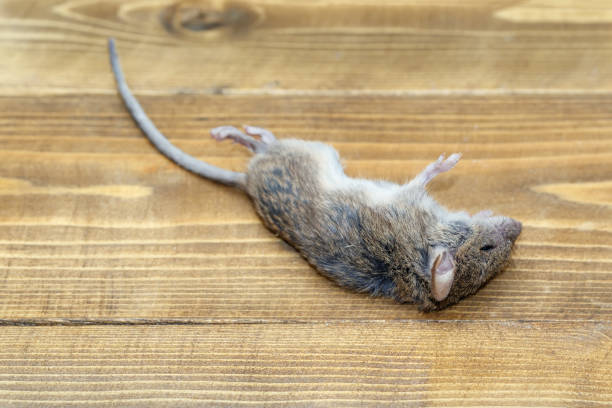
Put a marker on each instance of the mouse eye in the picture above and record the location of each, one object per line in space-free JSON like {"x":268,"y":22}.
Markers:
{"x":487,"y":247}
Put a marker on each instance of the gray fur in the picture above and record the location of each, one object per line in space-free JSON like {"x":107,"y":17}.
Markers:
{"x":382,"y":249}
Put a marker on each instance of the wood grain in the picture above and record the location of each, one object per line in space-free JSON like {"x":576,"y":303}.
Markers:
{"x":273,"y":46}
{"x":309,"y":365}
{"x":137,"y":237}
{"x":126,"y":281}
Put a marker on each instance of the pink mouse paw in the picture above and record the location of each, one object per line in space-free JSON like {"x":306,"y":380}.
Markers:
{"x":223,"y":132}
{"x":266,"y":136}
{"x":439,"y":166}
{"x":230,"y":132}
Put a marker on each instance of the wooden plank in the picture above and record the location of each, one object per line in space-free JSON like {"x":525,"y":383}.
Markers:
{"x":271,"y":46}
{"x":125,"y":281}
{"x":96,"y":225}
{"x":308,"y":365}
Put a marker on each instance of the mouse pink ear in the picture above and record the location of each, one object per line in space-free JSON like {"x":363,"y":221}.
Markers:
{"x":442,"y":274}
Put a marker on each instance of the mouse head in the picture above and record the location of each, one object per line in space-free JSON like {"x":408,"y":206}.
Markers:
{"x":485,"y":251}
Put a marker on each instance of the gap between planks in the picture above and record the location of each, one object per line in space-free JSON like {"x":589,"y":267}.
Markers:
{"x":217,"y":321}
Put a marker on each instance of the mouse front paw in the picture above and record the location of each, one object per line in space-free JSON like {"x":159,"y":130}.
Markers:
{"x":439,"y":166}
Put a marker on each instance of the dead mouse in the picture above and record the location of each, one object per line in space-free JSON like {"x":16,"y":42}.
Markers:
{"x":376,"y":237}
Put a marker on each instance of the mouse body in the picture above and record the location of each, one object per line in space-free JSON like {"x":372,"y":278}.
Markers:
{"x":376,"y":237}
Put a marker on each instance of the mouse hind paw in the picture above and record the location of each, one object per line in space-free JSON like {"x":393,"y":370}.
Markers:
{"x":266,"y":136}
{"x":230,"y":132}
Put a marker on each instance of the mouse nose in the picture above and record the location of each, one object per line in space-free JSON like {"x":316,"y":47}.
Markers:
{"x":511,"y":229}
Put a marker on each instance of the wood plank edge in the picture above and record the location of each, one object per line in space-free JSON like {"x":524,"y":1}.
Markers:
{"x":217,"y":321}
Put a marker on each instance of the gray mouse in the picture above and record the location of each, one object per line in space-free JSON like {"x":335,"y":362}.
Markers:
{"x":375,"y":237}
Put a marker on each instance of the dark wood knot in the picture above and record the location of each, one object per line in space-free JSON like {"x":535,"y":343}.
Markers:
{"x":193,"y":17}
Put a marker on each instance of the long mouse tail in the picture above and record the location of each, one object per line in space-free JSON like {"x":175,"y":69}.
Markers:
{"x":158,"y":140}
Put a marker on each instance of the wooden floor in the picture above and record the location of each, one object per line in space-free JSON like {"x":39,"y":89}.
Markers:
{"x":126,"y":281}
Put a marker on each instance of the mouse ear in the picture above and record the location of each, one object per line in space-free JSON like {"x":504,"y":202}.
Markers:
{"x":442,"y":274}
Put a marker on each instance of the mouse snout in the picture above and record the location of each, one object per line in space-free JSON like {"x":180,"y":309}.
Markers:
{"x":511,"y":229}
